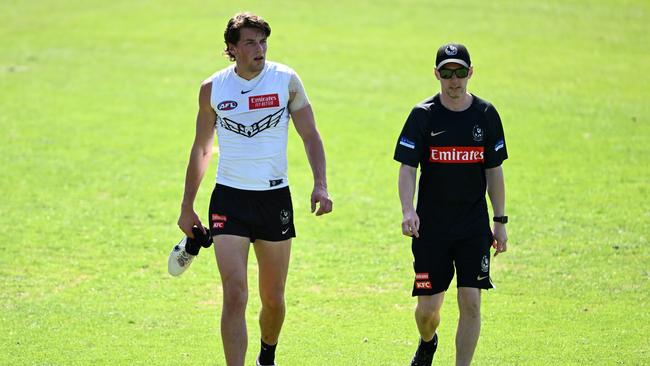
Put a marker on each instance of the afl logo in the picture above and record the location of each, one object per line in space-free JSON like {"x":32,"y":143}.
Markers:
{"x":451,"y":50}
{"x":227,"y":105}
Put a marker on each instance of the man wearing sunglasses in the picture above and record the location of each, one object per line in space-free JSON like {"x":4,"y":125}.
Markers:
{"x":457,"y":140}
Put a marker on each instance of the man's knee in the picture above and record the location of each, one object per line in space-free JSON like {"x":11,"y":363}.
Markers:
{"x":469,"y":303}
{"x":235,"y":297}
{"x":425,"y":310}
{"x":273,"y":301}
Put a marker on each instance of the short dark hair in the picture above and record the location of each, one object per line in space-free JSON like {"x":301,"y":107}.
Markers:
{"x":239,"y":21}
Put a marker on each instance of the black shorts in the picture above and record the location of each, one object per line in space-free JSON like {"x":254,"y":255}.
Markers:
{"x":435,"y":260}
{"x":265,"y":215}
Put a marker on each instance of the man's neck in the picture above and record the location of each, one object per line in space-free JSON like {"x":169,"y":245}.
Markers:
{"x":456,"y":104}
{"x":246,"y":74}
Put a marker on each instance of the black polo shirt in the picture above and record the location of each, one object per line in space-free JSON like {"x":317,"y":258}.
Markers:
{"x":453,"y":149}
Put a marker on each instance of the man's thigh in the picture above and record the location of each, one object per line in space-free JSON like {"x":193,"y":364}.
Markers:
{"x":231,"y":252}
{"x":273,"y":261}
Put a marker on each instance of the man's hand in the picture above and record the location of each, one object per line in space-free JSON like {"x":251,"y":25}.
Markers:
{"x":319,"y":195}
{"x":500,"y":238}
{"x":187,"y":220}
{"x":411,"y":224}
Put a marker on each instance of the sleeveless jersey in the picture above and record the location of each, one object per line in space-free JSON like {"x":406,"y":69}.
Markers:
{"x":252,"y":127}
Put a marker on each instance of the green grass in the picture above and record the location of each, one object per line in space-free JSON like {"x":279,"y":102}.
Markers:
{"x":97,"y":106}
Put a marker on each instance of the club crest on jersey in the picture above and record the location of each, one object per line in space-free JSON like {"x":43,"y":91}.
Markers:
{"x":227,"y":105}
{"x":263,"y":101}
{"x":477,"y":133}
{"x":265,"y":123}
{"x":456,"y":154}
{"x":485,"y":263}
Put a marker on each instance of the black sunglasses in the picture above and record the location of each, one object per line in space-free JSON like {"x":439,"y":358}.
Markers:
{"x":448,"y":73}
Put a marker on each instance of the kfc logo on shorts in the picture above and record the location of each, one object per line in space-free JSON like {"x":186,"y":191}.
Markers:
{"x":421,"y":276}
{"x":423,"y":285}
{"x":263,"y":101}
{"x":456,"y":154}
{"x":218,"y":221}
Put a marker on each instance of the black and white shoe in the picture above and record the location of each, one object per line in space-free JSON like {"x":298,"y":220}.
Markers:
{"x":186,"y":250}
{"x":424,"y":357}
{"x":179,"y":260}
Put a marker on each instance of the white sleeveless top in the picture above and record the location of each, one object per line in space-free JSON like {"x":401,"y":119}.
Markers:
{"x":252,"y":127}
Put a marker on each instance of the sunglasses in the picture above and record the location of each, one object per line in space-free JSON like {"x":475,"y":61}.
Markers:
{"x":448,"y":73}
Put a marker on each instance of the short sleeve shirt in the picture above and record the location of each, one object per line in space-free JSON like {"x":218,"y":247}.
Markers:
{"x":452,"y":149}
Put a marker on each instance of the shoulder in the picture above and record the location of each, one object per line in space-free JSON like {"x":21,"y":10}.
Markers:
{"x":482,"y":105}
{"x":205,"y":92}
{"x":279,"y":68}
{"x":431,"y":104}
{"x":222,"y":74}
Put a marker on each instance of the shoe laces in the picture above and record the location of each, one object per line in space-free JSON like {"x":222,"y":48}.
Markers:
{"x":183,"y":258}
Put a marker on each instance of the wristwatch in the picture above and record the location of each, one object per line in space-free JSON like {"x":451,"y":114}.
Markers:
{"x":501,"y":219}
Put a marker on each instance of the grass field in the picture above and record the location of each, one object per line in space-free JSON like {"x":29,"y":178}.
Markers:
{"x":97,"y":107}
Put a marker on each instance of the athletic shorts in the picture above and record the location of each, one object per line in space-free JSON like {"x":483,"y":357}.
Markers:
{"x":265,"y":215}
{"x":435,"y":261}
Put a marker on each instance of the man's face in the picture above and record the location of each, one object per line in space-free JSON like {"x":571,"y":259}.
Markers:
{"x":250,"y":51}
{"x":454,"y":87}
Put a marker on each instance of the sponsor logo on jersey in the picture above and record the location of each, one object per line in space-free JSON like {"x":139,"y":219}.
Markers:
{"x":499,"y":145}
{"x":218,"y":225}
{"x":227,"y":105}
{"x":423,"y":285}
{"x":263,"y":101}
{"x":275,"y":182}
{"x":406,"y":142}
{"x":265,"y":123}
{"x":477,"y":133}
{"x":456,"y":154}
{"x":421,"y":276}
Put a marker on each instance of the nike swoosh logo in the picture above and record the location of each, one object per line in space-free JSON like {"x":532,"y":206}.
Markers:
{"x":437,"y":133}
{"x":479,"y":278}
{"x":245,"y":91}
{"x":285,"y":231}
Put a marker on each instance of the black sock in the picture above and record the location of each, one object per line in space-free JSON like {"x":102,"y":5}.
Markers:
{"x":192,"y":246}
{"x":267,"y":354}
{"x":430,"y":345}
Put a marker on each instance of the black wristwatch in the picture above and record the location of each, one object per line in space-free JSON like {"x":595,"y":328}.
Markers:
{"x":501,"y":219}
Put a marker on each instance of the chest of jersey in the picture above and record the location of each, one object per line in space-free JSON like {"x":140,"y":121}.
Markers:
{"x":250,"y":110}
{"x":456,"y":137}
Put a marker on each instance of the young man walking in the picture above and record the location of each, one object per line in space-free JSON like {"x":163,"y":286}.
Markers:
{"x":249,"y":104}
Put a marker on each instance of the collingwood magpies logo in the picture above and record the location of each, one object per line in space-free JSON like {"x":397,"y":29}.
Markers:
{"x":265,"y":123}
{"x":451,"y":50}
